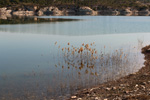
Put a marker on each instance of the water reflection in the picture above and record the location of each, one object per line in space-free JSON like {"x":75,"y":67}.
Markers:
{"x":30,"y":20}
{"x":86,"y":25}
{"x":76,"y":67}
{"x":87,"y":59}
{"x":34,"y":66}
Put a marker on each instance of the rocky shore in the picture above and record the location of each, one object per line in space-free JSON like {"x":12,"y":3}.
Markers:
{"x":53,"y":10}
{"x":132,"y":87}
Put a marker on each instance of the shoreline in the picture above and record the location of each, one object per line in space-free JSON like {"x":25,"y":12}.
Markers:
{"x":61,"y":11}
{"x":135,"y":86}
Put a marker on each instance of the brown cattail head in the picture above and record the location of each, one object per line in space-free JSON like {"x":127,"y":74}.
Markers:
{"x":81,"y":49}
{"x":90,"y":49}
{"x":68,"y":43}
{"x":87,"y":46}
{"x":95,"y":52}
{"x":68,"y":49}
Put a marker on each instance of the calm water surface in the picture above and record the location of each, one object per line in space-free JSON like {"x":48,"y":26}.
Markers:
{"x":34,"y":63}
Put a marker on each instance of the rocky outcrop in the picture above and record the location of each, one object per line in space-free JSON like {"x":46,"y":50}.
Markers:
{"x":49,"y":11}
{"x":86,"y":11}
{"x":4,"y":10}
{"x":68,"y":12}
{"x":5,"y":13}
{"x":109,"y":12}
{"x":53,"y":10}
{"x":144,"y":12}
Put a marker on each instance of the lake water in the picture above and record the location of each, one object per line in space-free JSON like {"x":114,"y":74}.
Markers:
{"x":41,"y":61}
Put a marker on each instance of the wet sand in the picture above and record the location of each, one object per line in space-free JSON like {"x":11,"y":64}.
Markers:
{"x":135,"y":86}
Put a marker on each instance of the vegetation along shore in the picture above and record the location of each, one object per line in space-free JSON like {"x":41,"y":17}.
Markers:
{"x":135,"y":86}
{"x":74,"y":7}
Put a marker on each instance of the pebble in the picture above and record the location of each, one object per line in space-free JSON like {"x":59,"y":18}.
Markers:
{"x":127,"y":92}
{"x":136,"y":85}
{"x":117,"y":98}
{"x":98,"y":98}
{"x":121,"y":84}
{"x":143,"y":86}
{"x":114,"y":88}
{"x":73,"y":97}
{"x":91,"y":89}
{"x":144,"y":83}
{"x":108,"y":89}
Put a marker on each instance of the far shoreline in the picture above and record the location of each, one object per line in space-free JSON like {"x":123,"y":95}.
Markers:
{"x":34,"y":10}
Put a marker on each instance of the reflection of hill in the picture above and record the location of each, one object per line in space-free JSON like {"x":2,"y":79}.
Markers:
{"x":27,"y":20}
{"x":78,"y":25}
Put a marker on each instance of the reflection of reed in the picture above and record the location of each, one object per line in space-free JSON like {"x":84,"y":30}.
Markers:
{"x":89,"y":67}
{"x":87,"y":56}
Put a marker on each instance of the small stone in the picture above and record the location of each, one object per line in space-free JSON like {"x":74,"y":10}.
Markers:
{"x":127,"y":92}
{"x":136,"y":85}
{"x":108,"y":89}
{"x":97,"y":98}
{"x":143,"y":86}
{"x":91,"y":89}
{"x":135,"y":73}
{"x":114,"y":88}
{"x":93,"y":94}
{"x":144,"y":83}
{"x":79,"y":99}
{"x":146,"y":74}
{"x":73,"y":97}
{"x":138,"y":94}
{"x":121,"y":84}
{"x":117,"y":98}
{"x":135,"y":90}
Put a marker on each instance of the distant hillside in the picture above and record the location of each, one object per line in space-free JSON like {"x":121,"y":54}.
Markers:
{"x":99,"y":4}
